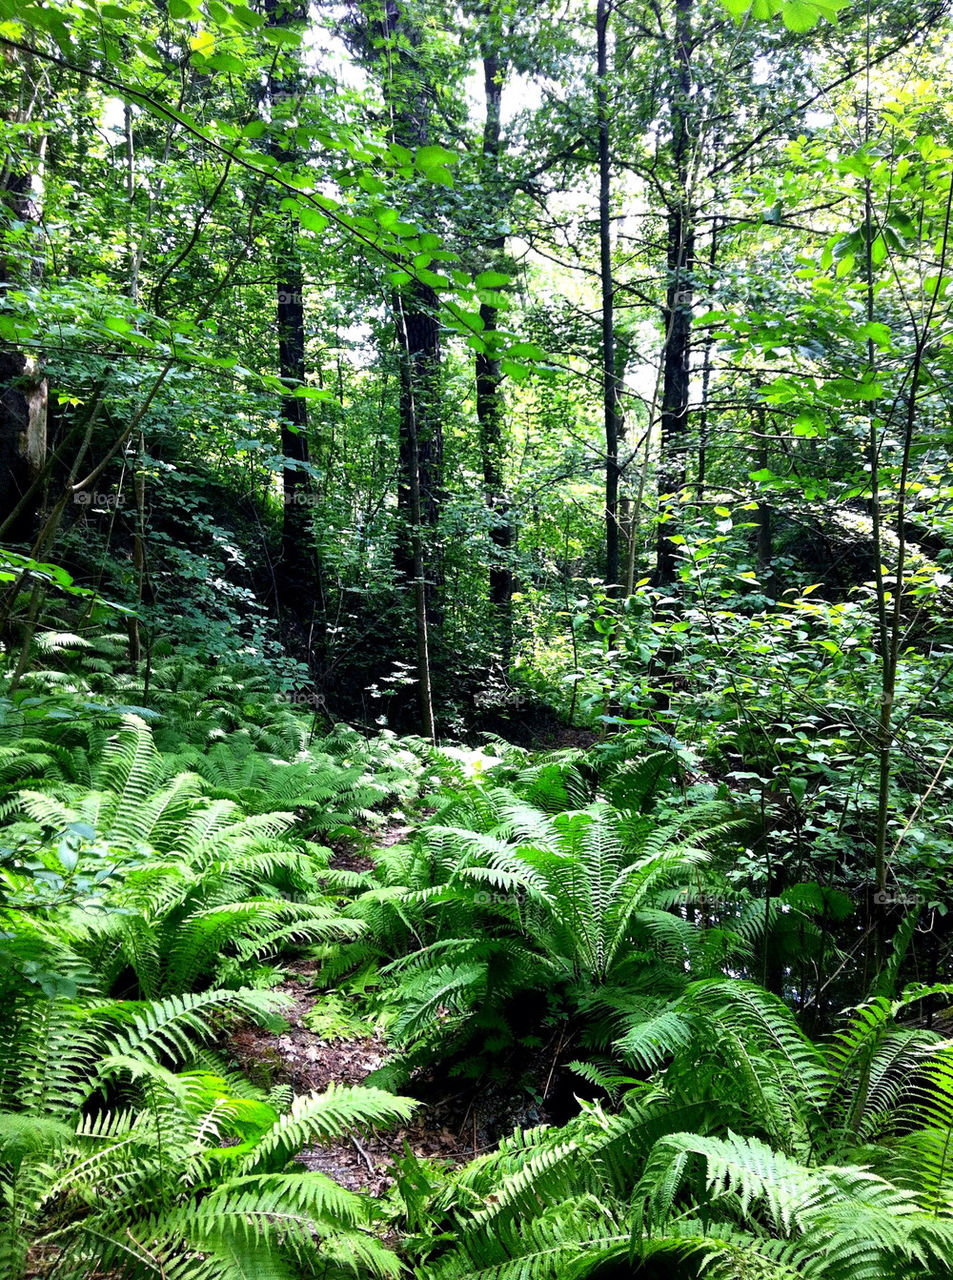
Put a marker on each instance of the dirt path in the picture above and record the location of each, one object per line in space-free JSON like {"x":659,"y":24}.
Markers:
{"x":458,"y":1120}
{"x":309,"y":1063}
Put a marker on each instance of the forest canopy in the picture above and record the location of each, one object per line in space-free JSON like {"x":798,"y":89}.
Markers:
{"x":476,"y":639}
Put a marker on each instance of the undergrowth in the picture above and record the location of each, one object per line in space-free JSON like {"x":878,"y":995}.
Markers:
{"x":170,"y":848}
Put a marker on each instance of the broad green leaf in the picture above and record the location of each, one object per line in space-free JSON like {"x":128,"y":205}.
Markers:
{"x":311,"y":220}
{"x":491,"y":280}
{"x":799,"y":16}
{"x":428,"y":158}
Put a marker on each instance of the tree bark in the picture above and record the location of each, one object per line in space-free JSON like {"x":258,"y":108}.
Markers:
{"x":297,"y":525}
{"x":416,"y":503}
{"x":680,"y":250}
{"x":404,"y":90}
{"x":489,"y":380}
{"x":609,"y":381}
{"x":24,"y":394}
{"x":421,"y":429}
{"x":765,"y":530}
{"x":298,"y":562}
{"x":421,"y":420}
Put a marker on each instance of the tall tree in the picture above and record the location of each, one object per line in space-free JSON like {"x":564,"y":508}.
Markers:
{"x":401,"y":55}
{"x":391,"y":41}
{"x":489,"y":378}
{"x":609,"y":370}
{"x":677,"y":311}
{"x":24,"y":392}
{"x":284,"y":91}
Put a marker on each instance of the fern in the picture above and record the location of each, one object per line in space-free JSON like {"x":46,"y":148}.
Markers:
{"x":317,"y":1118}
{"x":157,"y":1188}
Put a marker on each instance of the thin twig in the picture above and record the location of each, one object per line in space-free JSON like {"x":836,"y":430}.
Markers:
{"x":364,"y":1156}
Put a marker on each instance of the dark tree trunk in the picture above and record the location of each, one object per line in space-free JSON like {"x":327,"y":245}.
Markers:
{"x":298,"y":578}
{"x":297,"y":534}
{"x":389,"y":40}
{"x":23,"y":418}
{"x":421,"y":429}
{"x":489,"y":382}
{"x":23,"y":385}
{"x":415,"y":306}
{"x":677,"y":314}
{"x":609,"y":388}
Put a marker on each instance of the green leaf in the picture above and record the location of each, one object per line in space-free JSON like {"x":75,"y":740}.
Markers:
{"x":428,"y":158}
{"x":433,"y":278}
{"x":227,"y":62}
{"x":525,"y":351}
{"x":311,"y":220}
{"x":247,"y":17}
{"x":878,"y":333}
{"x":282,"y":36}
{"x":798,"y":786}
{"x":799,"y":16}
{"x":491,"y":280}
{"x":518,"y":372}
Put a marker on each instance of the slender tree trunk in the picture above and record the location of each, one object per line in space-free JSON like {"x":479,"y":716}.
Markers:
{"x":890,"y":620}
{"x":678,"y":302}
{"x":298,"y":563}
{"x":416,"y":503}
{"x":765,"y":531}
{"x":887,"y":677}
{"x":421,"y":429}
{"x":297,"y":526}
{"x":489,"y":381}
{"x":706,"y":377}
{"x":396,"y":47}
{"x":131,"y":249}
{"x":138,"y":549}
{"x":24,"y":394}
{"x":609,"y":388}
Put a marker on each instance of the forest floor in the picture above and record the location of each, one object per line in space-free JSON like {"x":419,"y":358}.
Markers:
{"x":456,"y":1120}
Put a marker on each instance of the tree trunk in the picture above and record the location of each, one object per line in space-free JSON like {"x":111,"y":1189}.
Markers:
{"x":23,"y":387}
{"x":297,"y":526}
{"x":421,"y":419}
{"x":416,"y":504}
{"x":673,"y":421}
{"x":298,"y":565}
{"x":609,"y":388}
{"x":489,"y":388}
{"x":765,"y":531}
{"x":421,"y":428}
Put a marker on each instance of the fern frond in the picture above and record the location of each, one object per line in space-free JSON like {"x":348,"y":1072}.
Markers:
{"x":324,"y":1117}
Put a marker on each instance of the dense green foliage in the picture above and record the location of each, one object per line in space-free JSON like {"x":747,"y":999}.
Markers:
{"x":584,"y":893}
{"x":475,"y":541}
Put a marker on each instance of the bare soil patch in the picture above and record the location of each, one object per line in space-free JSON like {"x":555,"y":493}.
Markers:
{"x":453,"y":1124}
